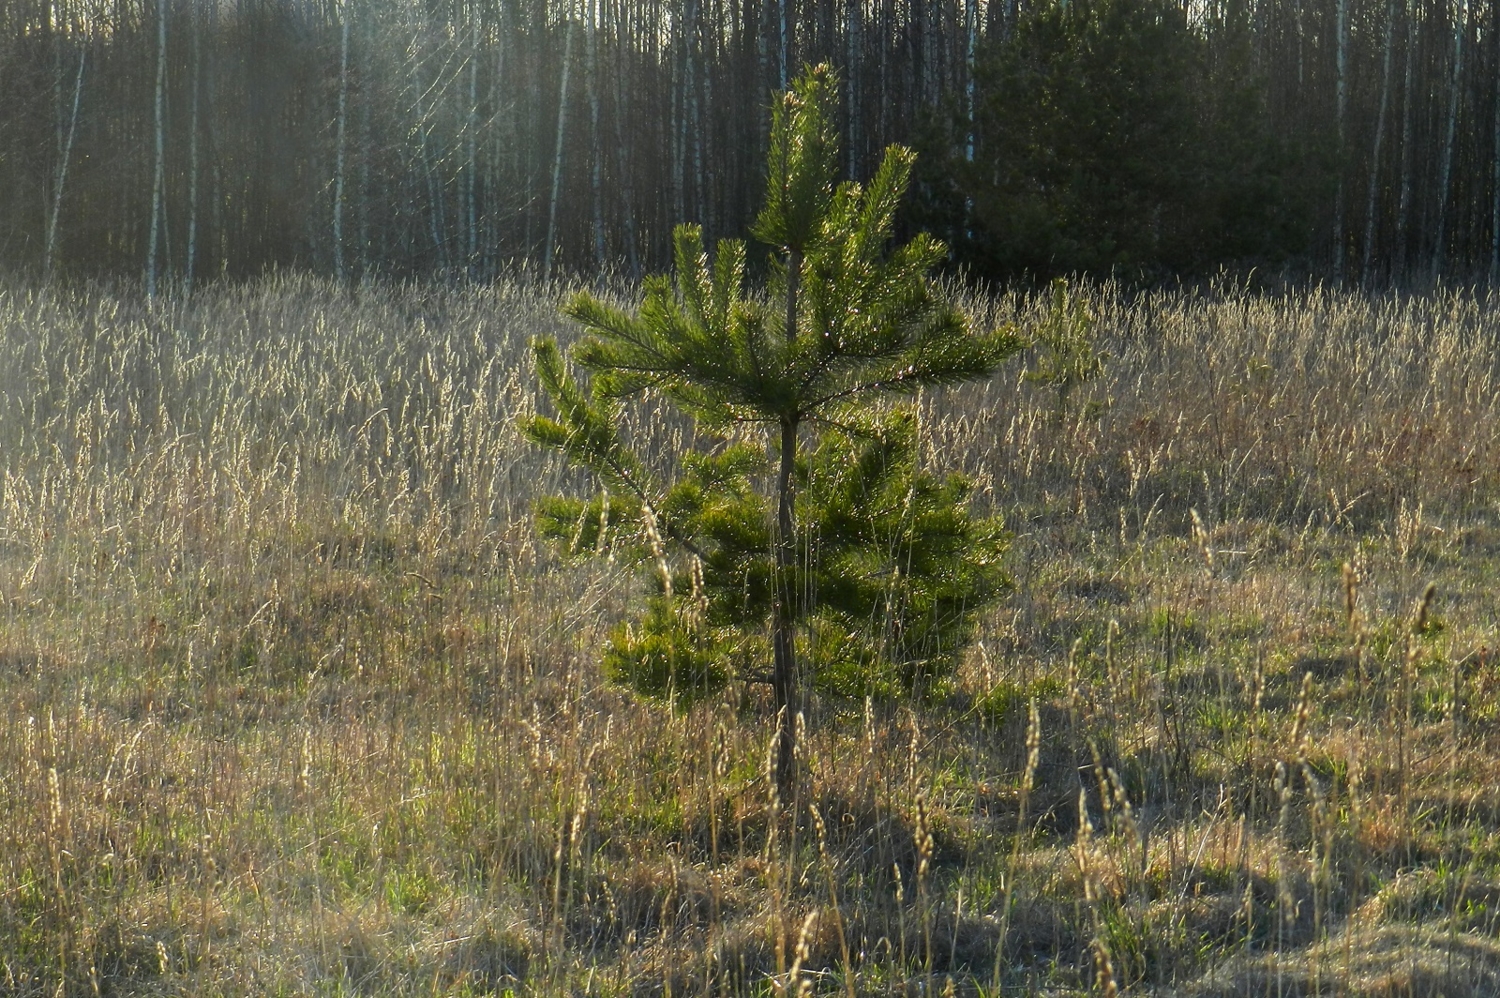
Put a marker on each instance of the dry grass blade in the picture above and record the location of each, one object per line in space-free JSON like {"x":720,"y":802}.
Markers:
{"x":296,"y":702}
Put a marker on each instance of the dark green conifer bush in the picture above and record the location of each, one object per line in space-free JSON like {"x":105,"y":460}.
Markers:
{"x":807,"y":536}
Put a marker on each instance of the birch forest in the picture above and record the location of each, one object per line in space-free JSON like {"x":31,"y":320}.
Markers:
{"x":170,"y":142}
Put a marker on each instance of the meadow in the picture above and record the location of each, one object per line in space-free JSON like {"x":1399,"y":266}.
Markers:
{"x":294,"y":701}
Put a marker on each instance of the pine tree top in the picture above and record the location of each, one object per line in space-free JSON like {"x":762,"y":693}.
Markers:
{"x":868,"y":319}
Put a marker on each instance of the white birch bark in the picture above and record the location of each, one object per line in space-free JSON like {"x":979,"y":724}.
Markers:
{"x":853,"y":41}
{"x":1341,"y":99}
{"x":677,"y":120}
{"x":596,"y":179}
{"x":883,"y":123}
{"x":159,"y":174}
{"x":1495,"y":192}
{"x":192,"y":233}
{"x":435,"y":222}
{"x":471,"y":133}
{"x":692,"y":118}
{"x":1408,"y":98}
{"x":366,"y":143}
{"x":971,"y":27}
{"x":624,"y":156}
{"x":62,"y":167}
{"x":557,"y":154}
{"x":338,"y":174}
{"x":1445,"y":170}
{"x":783,"y":51}
{"x":1373,"y":191}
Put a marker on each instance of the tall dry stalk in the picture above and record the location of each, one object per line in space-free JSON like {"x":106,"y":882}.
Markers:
{"x":312,"y":705}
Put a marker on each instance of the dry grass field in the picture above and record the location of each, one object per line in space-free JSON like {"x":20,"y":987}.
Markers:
{"x":292,"y":700}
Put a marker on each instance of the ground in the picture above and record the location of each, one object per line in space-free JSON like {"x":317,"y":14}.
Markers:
{"x":294,"y":701}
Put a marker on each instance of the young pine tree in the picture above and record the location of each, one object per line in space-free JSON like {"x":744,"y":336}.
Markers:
{"x":807,"y":534}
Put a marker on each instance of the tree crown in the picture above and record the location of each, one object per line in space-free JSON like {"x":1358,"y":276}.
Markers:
{"x":879,"y":563}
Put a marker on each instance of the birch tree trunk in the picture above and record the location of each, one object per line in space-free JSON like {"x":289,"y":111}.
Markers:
{"x":1341,"y":100}
{"x":853,"y":41}
{"x":529,"y":68}
{"x":49,"y":254}
{"x":471,"y":140}
{"x":436,"y":223}
{"x":1495,"y":174}
{"x":1373,"y":192}
{"x":159,"y":174}
{"x":1403,"y":198}
{"x":762,"y":44}
{"x":1445,"y":171}
{"x":971,"y":30}
{"x":366,"y":143}
{"x":557,"y":154}
{"x":783,"y":50}
{"x":679,"y":108}
{"x":338,"y":175}
{"x":216,"y":196}
{"x":677,"y":118}
{"x":489,"y":218}
{"x":692,"y":117}
{"x":624,"y":150}
{"x":596,"y":151}
{"x":710,"y":60}
{"x":887,"y":18}
{"x":191,"y":257}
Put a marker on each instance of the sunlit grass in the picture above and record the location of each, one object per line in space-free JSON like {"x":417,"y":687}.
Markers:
{"x":295,"y":703}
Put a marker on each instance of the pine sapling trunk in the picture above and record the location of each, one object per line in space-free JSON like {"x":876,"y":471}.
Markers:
{"x":784,"y":679}
{"x":784,"y":676}
{"x":704,"y":342}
